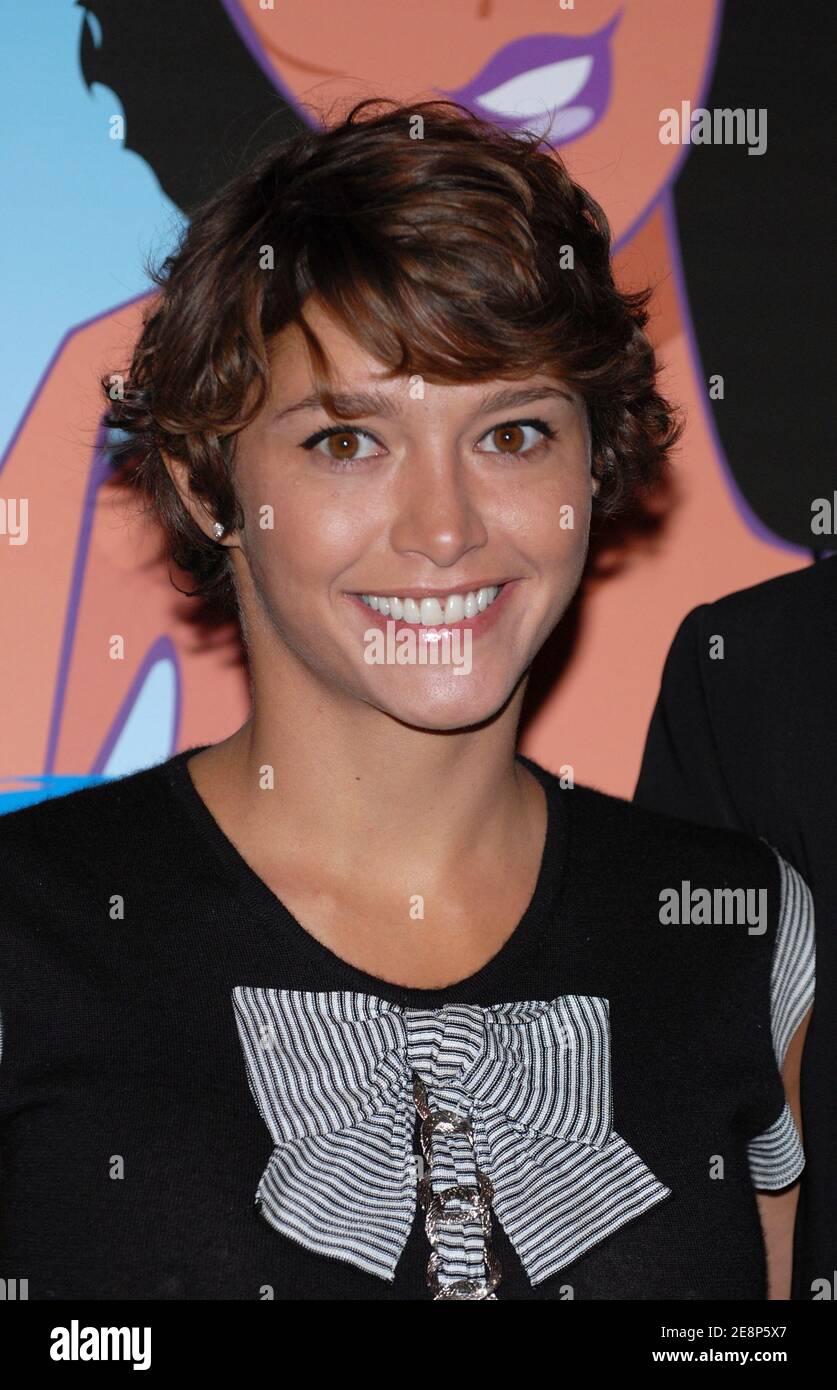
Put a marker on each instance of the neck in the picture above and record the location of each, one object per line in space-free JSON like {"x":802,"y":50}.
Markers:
{"x":355,"y":785}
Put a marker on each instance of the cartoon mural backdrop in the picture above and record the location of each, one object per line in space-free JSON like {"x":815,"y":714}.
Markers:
{"x":702,"y":132}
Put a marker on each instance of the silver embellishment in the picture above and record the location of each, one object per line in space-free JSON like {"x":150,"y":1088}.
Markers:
{"x":476,"y":1197}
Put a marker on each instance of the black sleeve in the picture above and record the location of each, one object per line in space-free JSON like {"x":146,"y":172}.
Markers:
{"x":681,"y":772}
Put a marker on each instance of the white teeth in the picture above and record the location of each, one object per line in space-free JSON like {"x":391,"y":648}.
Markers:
{"x":431,"y":613}
{"x":454,"y":608}
{"x":434,"y":612}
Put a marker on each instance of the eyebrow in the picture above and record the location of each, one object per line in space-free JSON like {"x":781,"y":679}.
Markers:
{"x":377,"y":403}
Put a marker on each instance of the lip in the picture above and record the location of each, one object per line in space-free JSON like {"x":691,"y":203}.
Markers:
{"x":483,"y":622}
{"x":418,"y":594}
{"x":564,"y":78}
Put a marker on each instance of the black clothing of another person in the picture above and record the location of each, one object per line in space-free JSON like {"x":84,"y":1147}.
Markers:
{"x":749,"y":741}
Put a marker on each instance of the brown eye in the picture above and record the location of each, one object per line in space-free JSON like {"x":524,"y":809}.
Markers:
{"x":516,"y":437}
{"x":509,"y":439}
{"x":342,"y":446}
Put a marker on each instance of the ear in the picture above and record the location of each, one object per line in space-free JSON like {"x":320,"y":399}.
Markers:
{"x":200,"y":513}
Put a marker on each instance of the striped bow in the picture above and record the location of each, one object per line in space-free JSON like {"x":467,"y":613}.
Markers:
{"x":331,"y":1074}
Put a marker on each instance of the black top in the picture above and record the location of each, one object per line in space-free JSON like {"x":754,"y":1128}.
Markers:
{"x":750,"y":741}
{"x":142,"y":1111}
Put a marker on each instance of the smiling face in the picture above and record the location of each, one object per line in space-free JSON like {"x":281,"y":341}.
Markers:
{"x":429,"y":496}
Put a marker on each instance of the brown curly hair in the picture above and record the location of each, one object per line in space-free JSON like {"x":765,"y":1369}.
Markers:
{"x":446,"y":246}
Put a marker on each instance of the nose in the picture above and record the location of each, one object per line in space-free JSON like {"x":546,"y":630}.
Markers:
{"x":437,"y":515}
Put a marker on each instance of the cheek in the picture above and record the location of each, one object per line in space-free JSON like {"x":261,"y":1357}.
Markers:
{"x":303,"y":535}
{"x":548,"y":518}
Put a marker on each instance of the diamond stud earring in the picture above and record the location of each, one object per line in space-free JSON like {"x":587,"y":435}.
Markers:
{"x":218,"y":530}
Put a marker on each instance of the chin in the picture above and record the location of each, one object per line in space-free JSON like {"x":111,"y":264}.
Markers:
{"x":441,"y":706}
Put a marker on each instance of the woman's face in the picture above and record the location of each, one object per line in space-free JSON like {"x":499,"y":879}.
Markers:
{"x":428,"y":494}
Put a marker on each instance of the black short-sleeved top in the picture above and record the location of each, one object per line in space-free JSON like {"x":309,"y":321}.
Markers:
{"x":198,"y":1100}
{"x":750,"y":742}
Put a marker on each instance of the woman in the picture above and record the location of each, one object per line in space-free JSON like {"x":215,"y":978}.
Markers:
{"x":359,"y":1003}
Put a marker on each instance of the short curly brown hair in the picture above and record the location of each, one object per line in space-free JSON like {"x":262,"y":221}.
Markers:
{"x":448,"y":247}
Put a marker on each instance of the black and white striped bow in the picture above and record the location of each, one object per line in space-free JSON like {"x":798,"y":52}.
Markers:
{"x":331,"y":1074}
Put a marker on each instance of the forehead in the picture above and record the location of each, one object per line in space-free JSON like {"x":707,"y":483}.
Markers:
{"x":355,"y":370}
{"x":348,"y":359}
